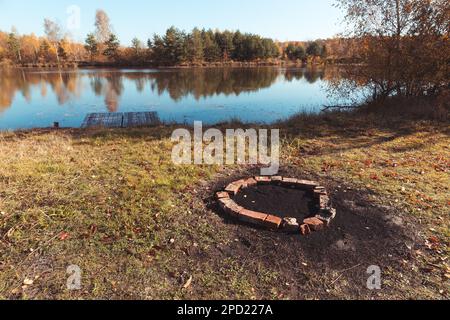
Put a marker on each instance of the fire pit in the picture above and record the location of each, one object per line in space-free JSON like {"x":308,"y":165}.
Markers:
{"x":286,"y":204}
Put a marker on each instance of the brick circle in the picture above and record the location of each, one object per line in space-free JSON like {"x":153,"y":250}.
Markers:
{"x":317,"y":222}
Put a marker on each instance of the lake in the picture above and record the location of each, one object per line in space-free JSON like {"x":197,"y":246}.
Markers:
{"x":36,"y":99}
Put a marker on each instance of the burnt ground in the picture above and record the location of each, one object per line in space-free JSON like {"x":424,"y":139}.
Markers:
{"x":331,"y":264}
{"x":276,"y":200}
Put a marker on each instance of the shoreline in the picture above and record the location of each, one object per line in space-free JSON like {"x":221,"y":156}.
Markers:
{"x":88,"y":65}
{"x":328,"y":116}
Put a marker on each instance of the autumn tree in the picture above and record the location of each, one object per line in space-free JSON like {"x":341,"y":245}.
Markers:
{"x":103,"y":28}
{"x":44,"y":50}
{"x":405,"y":45}
{"x":3,"y":45}
{"x":30,"y":48}
{"x":54,"y":34}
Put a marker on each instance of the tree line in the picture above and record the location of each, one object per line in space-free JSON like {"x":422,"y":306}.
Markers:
{"x":311,"y":50}
{"x":23,"y":49}
{"x":178,"y":47}
{"x":174,"y":47}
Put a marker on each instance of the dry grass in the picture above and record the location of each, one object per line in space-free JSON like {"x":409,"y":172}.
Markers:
{"x":112,"y":202}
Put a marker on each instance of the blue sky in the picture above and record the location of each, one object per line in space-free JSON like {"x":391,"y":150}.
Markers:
{"x":278,"y":19}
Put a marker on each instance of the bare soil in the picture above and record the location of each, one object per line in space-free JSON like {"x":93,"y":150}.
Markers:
{"x":333,"y":263}
{"x":279,"y":201}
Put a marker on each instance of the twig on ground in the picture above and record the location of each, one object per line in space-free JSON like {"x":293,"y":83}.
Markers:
{"x":344,"y":271}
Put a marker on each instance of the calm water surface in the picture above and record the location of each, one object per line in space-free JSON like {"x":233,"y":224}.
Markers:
{"x":34,"y":99}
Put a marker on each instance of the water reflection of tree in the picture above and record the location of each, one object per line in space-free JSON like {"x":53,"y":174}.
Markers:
{"x":198,"y":83}
{"x":311,"y":75}
{"x":202,"y":83}
{"x":64,"y":85}
{"x":114,"y":89}
{"x":110,"y":86}
{"x":293,"y":74}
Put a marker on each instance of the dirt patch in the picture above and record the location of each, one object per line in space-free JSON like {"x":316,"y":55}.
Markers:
{"x":279,"y":201}
{"x":331,"y":264}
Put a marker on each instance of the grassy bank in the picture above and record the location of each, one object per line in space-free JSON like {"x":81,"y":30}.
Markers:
{"x":112,"y":202}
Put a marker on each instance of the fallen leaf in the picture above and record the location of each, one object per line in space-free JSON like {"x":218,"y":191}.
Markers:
{"x":434,"y":239}
{"x":63,"y":236}
{"x":188,"y":283}
{"x":368,"y":163}
{"x":28,"y":282}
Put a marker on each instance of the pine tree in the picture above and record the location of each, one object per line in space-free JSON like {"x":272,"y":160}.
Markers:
{"x":91,"y":45}
{"x":175,"y":46}
{"x":14,"y":47}
{"x":112,"y":47}
{"x":211,"y":48}
{"x":225,"y":43}
{"x":195,"y":46}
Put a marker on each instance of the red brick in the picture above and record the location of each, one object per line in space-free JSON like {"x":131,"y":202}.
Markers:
{"x":263,"y":180}
{"x":277,"y":179}
{"x":273,"y":222}
{"x":241,"y":210}
{"x":307,"y":184}
{"x":250,"y":182}
{"x":229,"y":207}
{"x":314,"y":224}
{"x":222,"y":195}
{"x":290,"y":225}
{"x":233,"y":188}
{"x":241,"y":183}
{"x":305,"y":230}
{"x":252,"y":217}
{"x":289,"y":182}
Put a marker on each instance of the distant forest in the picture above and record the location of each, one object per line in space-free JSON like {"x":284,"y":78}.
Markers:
{"x":174,"y":48}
